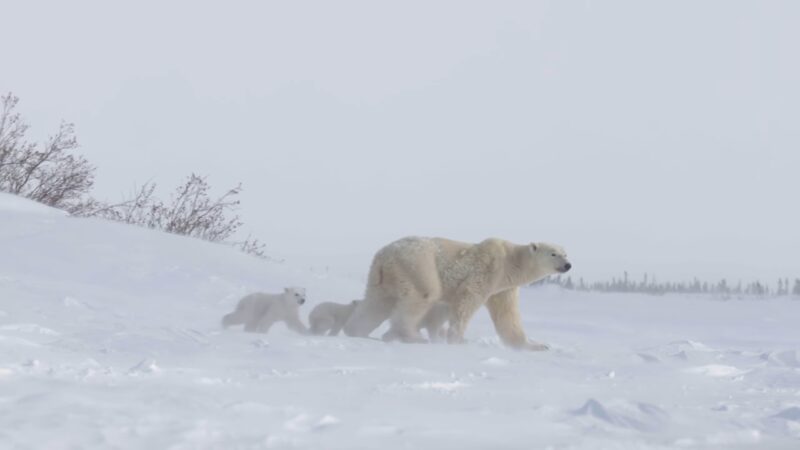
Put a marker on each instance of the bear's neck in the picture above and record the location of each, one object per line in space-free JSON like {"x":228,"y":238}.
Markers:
{"x":514,"y":275}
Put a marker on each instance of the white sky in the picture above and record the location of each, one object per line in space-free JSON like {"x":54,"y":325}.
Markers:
{"x":642,"y":136}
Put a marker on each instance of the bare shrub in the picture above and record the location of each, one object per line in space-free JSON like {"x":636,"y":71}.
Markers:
{"x":48,"y":173}
{"x":190,"y":211}
{"x":252,"y":246}
{"x":193,"y":213}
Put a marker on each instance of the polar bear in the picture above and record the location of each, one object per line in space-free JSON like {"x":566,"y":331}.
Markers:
{"x":408,"y":276}
{"x":329,"y":317}
{"x":259,"y":311}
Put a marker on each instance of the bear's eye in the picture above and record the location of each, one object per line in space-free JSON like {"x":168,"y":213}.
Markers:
{"x":554,"y":254}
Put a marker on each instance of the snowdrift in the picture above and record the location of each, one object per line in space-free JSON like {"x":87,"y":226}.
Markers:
{"x":110,"y":338}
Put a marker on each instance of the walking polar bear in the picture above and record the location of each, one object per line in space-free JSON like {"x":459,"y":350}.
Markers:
{"x":409,"y":276}
{"x":329,"y":317}
{"x":259,"y":311}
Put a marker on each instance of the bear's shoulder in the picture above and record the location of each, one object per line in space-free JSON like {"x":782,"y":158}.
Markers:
{"x":494,"y":246}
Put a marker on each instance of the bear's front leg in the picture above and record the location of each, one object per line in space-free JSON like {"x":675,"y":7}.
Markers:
{"x":294,"y":323}
{"x":535,"y":346}
{"x":504,"y":309}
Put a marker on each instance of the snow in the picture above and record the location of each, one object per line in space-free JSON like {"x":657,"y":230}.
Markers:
{"x":110,"y":337}
{"x":20,"y":205}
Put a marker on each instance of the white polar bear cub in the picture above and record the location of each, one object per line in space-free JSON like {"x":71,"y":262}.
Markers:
{"x":329,"y":317}
{"x":409,"y":276}
{"x":259,"y":311}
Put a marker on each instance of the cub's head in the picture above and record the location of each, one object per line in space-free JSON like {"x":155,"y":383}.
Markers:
{"x":550,"y":258}
{"x":295,"y":294}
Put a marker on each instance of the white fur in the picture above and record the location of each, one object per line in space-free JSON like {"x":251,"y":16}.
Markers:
{"x":329,"y":317}
{"x":409,"y":276}
{"x":434,"y":320}
{"x":259,"y":311}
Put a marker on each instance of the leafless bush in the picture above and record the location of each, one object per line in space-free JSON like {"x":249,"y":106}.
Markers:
{"x":191,"y":211}
{"x":253,"y":246}
{"x":49,"y":173}
{"x":135,"y":210}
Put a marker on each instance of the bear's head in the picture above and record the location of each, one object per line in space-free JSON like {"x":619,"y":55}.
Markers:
{"x":549,"y":258}
{"x":295,"y":294}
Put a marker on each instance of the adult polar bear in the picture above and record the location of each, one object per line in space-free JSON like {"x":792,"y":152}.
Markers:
{"x":410,"y":275}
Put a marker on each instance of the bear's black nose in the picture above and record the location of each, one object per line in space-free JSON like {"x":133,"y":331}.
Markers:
{"x":567,"y":266}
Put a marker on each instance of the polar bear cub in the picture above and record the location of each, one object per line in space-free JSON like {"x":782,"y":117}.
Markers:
{"x":329,"y":317}
{"x":259,"y":311}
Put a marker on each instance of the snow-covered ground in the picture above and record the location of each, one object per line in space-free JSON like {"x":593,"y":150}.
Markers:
{"x":110,"y":338}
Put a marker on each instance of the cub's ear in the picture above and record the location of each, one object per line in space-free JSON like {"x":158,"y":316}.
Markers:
{"x":534,"y":247}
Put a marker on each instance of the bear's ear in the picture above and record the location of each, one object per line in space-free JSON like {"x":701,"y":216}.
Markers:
{"x":286,"y":290}
{"x":534,"y":247}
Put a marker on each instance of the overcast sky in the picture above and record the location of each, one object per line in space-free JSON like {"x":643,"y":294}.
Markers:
{"x":659,"y":137}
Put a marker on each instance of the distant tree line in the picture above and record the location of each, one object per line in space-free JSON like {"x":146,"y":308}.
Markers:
{"x":51,"y":173}
{"x":650,"y":285}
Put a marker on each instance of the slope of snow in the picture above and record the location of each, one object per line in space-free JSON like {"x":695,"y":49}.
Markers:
{"x":110,"y":338}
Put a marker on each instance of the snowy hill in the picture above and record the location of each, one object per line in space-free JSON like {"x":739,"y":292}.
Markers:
{"x":110,"y":338}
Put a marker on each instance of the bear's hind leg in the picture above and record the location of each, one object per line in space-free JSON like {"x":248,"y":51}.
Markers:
{"x":336,"y":328}
{"x":405,"y":320}
{"x":418,"y":288}
{"x":265,"y":322}
{"x":251,"y":324}
{"x":461,"y":313}
{"x":434,"y":320}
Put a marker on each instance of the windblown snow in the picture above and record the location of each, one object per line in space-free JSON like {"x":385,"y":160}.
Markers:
{"x":110,"y":338}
